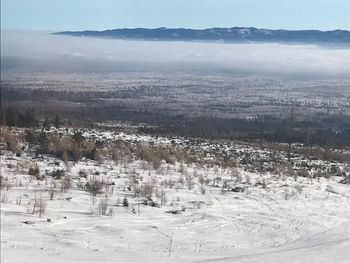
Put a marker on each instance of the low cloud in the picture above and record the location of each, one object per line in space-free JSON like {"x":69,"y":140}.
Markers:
{"x":26,"y":51}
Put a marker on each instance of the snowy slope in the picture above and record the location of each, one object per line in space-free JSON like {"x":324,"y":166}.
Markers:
{"x":302,"y":220}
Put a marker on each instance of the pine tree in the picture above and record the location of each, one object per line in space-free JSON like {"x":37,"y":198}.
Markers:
{"x":125,"y":202}
{"x":57,"y":122}
{"x":46,"y":124}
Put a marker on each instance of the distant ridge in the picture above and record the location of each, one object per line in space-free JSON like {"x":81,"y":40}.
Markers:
{"x":233,"y":34}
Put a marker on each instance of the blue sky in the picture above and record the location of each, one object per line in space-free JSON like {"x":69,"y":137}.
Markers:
{"x":107,"y":14}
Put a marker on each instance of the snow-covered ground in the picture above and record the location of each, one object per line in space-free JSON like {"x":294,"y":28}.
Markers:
{"x":276,"y":218}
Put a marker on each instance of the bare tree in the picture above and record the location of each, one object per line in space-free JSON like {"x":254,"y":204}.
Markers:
{"x":35,"y":203}
{"x":52,"y":189}
{"x":102,"y":206}
{"x":290,"y":132}
{"x":189,"y":181}
{"x":66,"y":183}
{"x":162,"y":196}
{"x":42,"y":205}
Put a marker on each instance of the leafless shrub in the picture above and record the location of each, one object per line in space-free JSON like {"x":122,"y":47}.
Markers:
{"x":58,"y":174}
{"x":181,"y":181}
{"x":230,"y":163}
{"x":62,"y":146}
{"x":289,"y":171}
{"x":216,"y":170}
{"x":11,"y":140}
{"x":66,"y":183}
{"x":76,"y":152}
{"x":286,"y":195}
{"x":83,"y":174}
{"x":189,"y":181}
{"x":150,"y":156}
{"x":216,"y":181}
{"x":18,"y":200}
{"x":35,"y":171}
{"x":320,"y":173}
{"x":38,"y":204}
{"x":303,"y":172}
{"x":3,"y":182}
{"x":201,"y":179}
{"x":169,"y":183}
{"x":299,"y":188}
{"x":42,"y":205}
{"x":156,"y":162}
{"x":4,"y":198}
{"x":133,"y":181}
{"x":110,"y":211}
{"x":95,"y":186}
{"x":240,"y":178}
{"x":52,"y":189}
{"x":235,"y":173}
{"x":182,"y":168}
{"x":147,"y":188}
{"x":330,"y":189}
{"x":102,"y":206}
{"x":161,"y":195}
{"x":115,"y":155}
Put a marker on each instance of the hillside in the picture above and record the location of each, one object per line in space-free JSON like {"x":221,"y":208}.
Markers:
{"x":234,"y":34}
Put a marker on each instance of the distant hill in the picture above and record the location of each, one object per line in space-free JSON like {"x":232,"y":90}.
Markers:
{"x":234,"y":34}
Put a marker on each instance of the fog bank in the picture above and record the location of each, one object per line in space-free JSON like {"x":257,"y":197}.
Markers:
{"x":30,"y":51}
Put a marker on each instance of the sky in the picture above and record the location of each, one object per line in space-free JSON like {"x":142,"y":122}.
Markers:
{"x":57,"y":15}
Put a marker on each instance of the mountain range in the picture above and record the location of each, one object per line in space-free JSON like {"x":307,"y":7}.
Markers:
{"x":233,"y":34}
